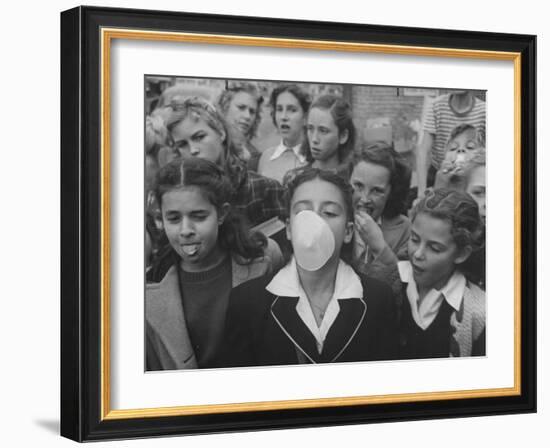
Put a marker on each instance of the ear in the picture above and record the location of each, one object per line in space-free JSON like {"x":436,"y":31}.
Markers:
{"x":463,"y":254}
{"x":223,"y":212}
{"x":343,"y":138}
{"x":348,"y":235}
{"x":223,"y":136}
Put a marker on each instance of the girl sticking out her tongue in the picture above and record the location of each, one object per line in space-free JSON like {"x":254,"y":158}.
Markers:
{"x":316,"y":309}
{"x":212,"y":252}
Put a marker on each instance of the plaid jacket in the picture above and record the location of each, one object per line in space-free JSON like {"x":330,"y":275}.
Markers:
{"x":259,"y":198}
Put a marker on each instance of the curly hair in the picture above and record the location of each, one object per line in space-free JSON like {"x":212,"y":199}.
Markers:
{"x":461,"y":211}
{"x":227,"y":95}
{"x":302,"y":96}
{"x":215,"y":185}
{"x":462,"y":128}
{"x":201,"y":109}
{"x":340,"y":111}
{"x":383,"y":154}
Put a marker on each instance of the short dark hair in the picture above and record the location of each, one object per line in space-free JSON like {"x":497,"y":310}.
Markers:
{"x":301,"y":95}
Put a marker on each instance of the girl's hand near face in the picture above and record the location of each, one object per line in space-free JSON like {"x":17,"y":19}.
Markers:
{"x":451,"y":175}
{"x":370,"y":232}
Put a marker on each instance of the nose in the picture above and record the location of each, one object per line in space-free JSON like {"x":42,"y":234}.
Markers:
{"x":186,"y":228}
{"x":418,"y":253}
{"x":314,"y":137}
{"x":194,"y":150}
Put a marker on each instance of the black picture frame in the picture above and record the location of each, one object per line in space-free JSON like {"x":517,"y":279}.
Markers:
{"x":83,"y":407}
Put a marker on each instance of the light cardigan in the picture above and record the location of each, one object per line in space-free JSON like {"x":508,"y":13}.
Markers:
{"x":167,"y":337}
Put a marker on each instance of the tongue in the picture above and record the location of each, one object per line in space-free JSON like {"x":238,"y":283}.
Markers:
{"x":191,"y":249}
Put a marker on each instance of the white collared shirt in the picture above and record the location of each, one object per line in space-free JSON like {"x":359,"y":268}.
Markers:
{"x":425,"y":312}
{"x":297,"y":150}
{"x":287,"y":284}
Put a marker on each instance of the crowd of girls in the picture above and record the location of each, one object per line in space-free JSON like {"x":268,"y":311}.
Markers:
{"x":355,"y":271}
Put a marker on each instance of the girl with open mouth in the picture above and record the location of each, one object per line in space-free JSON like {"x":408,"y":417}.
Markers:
{"x":211,"y":252}
{"x":443,"y":310}
{"x":289,"y":107}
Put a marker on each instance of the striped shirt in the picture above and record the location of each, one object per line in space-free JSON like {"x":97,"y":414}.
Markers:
{"x":440,"y":120}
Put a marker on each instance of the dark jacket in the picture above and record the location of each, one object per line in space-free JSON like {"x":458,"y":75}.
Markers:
{"x":263,"y":329}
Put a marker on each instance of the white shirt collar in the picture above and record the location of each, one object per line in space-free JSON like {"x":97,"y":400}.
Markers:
{"x":424,"y":315}
{"x":297,"y":150}
{"x":287,"y":284}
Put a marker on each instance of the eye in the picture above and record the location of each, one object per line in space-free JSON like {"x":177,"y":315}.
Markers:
{"x":173,"y":217}
{"x":414,"y":238}
{"x":436,"y":248}
{"x":453,"y":146}
{"x":324,"y":131}
{"x":357,"y":185}
{"x":471,"y":145}
{"x":199,"y":216}
{"x":199,"y":136}
{"x":309,"y":128}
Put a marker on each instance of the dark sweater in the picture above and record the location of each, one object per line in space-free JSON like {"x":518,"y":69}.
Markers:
{"x":205,"y":296}
{"x":262,"y":329}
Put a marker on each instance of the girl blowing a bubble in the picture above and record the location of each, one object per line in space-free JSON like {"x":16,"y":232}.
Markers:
{"x":317,"y":309}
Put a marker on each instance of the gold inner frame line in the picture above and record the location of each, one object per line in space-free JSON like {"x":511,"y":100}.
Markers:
{"x":107,"y":35}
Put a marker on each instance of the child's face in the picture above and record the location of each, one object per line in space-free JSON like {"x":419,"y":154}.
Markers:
{"x":463,"y":146}
{"x":241,"y":112}
{"x":194,"y":137}
{"x":325,"y":199}
{"x":191,"y":224}
{"x":476,"y":187}
{"x":433,"y":252}
{"x":289,"y":117}
{"x":323,"y":135}
{"x":371,"y":188}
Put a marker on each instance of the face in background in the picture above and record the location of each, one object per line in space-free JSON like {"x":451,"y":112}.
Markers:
{"x":371,"y":188}
{"x":476,"y":188}
{"x":194,"y":137}
{"x":323,"y":135}
{"x":290,"y":118}
{"x":433,"y":252}
{"x":325,"y":199}
{"x":241,"y":112}
{"x":191,"y":223}
{"x":464,"y":146}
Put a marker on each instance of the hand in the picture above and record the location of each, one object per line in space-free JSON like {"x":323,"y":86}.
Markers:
{"x":370,"y":232}
{"x":450,"y":175}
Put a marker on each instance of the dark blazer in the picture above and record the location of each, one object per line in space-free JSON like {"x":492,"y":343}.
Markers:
{"x":263,"y":329}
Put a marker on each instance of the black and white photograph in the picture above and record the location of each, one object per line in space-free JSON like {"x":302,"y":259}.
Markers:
{"x":291,"y":223}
